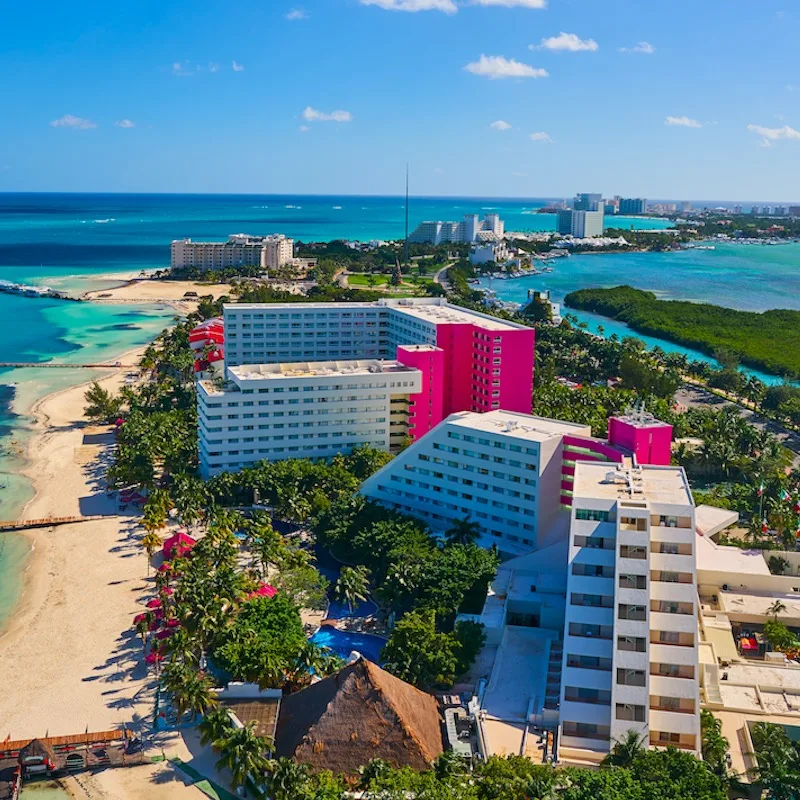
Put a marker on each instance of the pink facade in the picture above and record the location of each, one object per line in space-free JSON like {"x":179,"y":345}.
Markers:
{"x":578,"y":448}
{"x":487,"y":369}
{"x":426,"y":408}
{"x":649,"y":440}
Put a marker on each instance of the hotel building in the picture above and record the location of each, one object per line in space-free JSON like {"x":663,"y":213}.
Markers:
{"x":581,"y":224}
{"x":630,"y":649}
{"x":470,"y":229}
{"x":452,"y":360}
{"x":478,"y":362}
{"x":240,"y":250}
{"x":511,"y":473}
{"x":302,"y":410}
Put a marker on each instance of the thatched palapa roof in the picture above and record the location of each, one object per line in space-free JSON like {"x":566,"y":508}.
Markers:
{"x":361,"y":713}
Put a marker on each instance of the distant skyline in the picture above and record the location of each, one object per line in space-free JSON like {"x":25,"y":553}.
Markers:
{"x":485,"y":98}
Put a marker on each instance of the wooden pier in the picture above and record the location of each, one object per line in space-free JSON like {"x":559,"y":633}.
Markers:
{"x":49,"y":365}
{"x":49,"y":522}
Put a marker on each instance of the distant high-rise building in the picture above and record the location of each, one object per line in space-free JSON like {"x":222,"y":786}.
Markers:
{"x":587,"y":202}
{"x":581,"y":224}
{"x":686,"y":206}
{"x":632,"y":206}
{"x":794,"y":211}
{"x":755,"y":210}
{"x":779,"y":211}
{"x":470,"y":229}
{"x":737,"y":209}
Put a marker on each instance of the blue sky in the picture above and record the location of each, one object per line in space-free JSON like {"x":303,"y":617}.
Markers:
{"x":528,"y":98}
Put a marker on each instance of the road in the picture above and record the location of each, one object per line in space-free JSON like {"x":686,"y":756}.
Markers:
{"x":695,"y":396}
{"x":441,"y":277}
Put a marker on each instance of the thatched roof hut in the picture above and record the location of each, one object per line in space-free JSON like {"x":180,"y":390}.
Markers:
{"x":37,"y":750}
{"x":361,"y":713}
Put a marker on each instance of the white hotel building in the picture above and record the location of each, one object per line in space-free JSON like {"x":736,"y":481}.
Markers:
{"x":240,"y":250}
{"x":500,"y":469}
{"x":630,"y":633}
{"x":302,"y":410}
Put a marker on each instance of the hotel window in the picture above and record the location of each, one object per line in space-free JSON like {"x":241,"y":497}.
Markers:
{"x":592,"y":515}
{"x":632,"y":582}
{"x":632,"y":644}
{"x":631,"y":677}
{"x":631,"y":713}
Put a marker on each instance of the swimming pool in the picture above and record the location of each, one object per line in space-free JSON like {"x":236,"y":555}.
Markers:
{"x":344,"y":642}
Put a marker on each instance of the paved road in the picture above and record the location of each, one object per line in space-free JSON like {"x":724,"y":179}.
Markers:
{"x":695,"y":396}
{"x":441,"y":277}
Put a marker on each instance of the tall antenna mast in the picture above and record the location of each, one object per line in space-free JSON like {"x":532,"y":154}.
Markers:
{"x":405,"y":252}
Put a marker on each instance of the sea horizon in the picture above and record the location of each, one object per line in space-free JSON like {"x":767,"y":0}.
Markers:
{"x":699,"y":203}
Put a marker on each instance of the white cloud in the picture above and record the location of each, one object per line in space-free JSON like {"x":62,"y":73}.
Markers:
{"x":296,"y":14}
{"x":76,"y":123}
{"x":125,"y":123}
{"x":497,"y":67}
{"x":642,"y":47}
{"x":182,"y":69}
{"x":500,"y":125}
{"x":683,"y":122}
{"x":213,"y":67}
{"x":512,"y":3}
{"x":541,"y":136}
{"x":304,"y":129}
{"x":313,"y":115}
{"x":569,"y":42}
{"x":448,"y":6}
{"x":237,"y":67}
{"x":774,"y":134}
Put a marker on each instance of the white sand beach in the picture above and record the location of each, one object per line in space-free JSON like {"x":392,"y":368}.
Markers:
{"x":141,"y":290}
{"x":69,"y":658}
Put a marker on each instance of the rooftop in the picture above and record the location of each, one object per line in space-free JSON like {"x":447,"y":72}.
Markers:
{"x":518,"y":426}
{"x":431,"y":309}
{"x":647,"y":483}
{"x":316,"y":369}
{"x":732,"y":561}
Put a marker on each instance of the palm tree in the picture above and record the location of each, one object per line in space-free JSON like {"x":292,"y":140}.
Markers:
{"x":244,"y":754}
{"x":287,"y":780}
{"x":463,"y":531}
{"x":778,"y":607}
{"x":190,"y":689}
{"x":151,"y":542}
{"x":215,"y":726}
{"x":626,"y":750}
{"x":265,"y":542}
{"x":143,"y":628}
{"x":352,"y":586}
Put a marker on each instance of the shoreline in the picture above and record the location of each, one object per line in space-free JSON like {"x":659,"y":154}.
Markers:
{"x":36,"y":459}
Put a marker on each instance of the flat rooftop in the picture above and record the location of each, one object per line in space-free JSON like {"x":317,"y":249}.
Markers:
{"x":452,"y":315}
{"x":316,"y":369}
{"x":516,"y":425}
{"x":733,"y":561}
{"x":643,"y":484}
{"x":430,"y":309}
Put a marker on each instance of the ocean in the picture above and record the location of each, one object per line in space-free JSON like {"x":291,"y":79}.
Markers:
{"x":75,"y":242}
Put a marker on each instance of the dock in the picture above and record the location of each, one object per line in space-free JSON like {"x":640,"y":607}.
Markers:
{"x":55,"y":756}
{"x":50,"y":365}
{"x":48,"y":522}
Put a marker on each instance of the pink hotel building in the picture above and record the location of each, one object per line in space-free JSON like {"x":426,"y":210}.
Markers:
{"x":469,"y":361}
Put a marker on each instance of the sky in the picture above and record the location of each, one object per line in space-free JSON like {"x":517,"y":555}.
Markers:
{"x":503,"y":98}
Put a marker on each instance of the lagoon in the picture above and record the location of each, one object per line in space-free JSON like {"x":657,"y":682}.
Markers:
{"x":746,"y":277}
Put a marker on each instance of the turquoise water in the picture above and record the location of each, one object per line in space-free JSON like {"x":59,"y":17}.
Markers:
{"x":746,"y":277}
